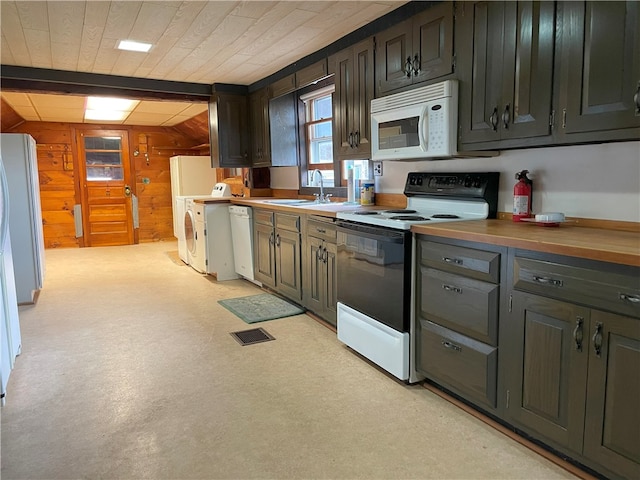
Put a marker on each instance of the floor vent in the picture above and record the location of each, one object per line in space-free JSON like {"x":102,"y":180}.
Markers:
{"x":249,"y":337}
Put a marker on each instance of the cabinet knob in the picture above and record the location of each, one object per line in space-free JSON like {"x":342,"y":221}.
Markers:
{"x":578,"y":333}
{"x":408,"y":67}
{"x":416,"y":65}
{"x":506,"y":117}
{"x":493,"y":119}
{"x":597,"y":339}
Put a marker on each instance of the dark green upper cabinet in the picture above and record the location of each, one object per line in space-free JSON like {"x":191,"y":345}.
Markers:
{"x":505,"y":66}
{"x":416,"y":50}
{"x":353,"y":69}
{"x":259,"y":121}
{"x":283,"y":130}
{"x":599,"y":70}
{"x":229,"y":130}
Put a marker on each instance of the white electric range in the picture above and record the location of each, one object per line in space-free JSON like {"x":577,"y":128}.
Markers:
{"x":374,"y":261}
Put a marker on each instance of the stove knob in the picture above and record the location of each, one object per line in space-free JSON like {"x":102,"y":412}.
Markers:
{"x":468,"y":181}
{"x":477,"y":183}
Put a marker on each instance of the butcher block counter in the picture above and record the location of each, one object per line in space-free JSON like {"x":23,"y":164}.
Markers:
{"x":613,"y":246}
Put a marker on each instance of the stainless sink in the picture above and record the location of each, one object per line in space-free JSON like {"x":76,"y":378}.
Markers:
{"x":288,"y":201}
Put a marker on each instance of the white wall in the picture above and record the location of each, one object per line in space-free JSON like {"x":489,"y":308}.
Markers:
{"x":587,"y":181}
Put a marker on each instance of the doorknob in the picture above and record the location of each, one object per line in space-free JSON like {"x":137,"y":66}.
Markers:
{"x":127,"y":191}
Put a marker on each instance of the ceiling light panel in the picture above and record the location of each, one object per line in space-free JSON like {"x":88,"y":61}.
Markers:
{"x":133,"y":46}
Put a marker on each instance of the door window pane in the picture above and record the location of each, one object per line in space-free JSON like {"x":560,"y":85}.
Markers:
{"x":103,"y":158}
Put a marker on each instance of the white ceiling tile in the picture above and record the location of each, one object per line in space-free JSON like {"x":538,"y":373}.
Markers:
{"x":17,"y":99}
{"x":57,"y":101}
{"x":194,"y":41}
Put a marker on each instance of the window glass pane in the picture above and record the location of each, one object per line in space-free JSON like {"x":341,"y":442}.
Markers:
{"x":103,"y":158}
{"x":321,"y":130}
{"x":98,"y":174}
{"x":322,"y":108}
{"x":102,"y":143}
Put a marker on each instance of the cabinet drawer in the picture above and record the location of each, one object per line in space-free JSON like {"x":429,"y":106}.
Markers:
{"x":463,"y":304}
{"x":600,"y":288}
{"x":263,"y":217}
{"x":289,"y":222}
{"x":458,"y":361}
{"x":465,"y":261}
{"x":322,"y":229}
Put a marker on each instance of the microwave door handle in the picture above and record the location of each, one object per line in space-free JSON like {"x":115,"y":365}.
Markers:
{"x":423,"y":127}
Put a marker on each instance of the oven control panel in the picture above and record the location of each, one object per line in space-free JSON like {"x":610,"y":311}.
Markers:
{"x":468,"y":185}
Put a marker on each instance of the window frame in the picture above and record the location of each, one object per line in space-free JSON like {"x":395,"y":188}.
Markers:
{"x":302,"y":95}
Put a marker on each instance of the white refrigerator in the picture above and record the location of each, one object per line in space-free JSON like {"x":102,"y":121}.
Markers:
{"x":25,"y":215}
{"x":190,"y":176}
{"x":10,"y":338}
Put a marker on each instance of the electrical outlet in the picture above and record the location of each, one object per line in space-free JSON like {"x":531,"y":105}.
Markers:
{"x":377,"y":169}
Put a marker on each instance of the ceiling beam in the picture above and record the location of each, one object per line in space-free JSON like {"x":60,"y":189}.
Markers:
{"x":45,"y":80}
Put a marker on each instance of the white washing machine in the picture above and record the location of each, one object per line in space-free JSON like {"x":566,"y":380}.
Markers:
{"x":184,"y":211}
{"x":181,"y":210}
{"x":212,"y":248}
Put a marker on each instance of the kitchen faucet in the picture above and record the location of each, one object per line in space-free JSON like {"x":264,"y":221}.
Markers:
{"x":319,"y":198}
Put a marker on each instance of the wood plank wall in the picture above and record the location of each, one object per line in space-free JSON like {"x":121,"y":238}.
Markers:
{"x":57,"y":162}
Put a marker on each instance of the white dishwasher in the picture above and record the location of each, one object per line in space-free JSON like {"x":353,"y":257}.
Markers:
{"x":241,"y":219}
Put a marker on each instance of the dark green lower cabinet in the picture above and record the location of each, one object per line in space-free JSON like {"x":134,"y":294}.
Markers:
{"x":573,"y":380}
{"x":547,"y":374}
{"x":319,"y":289}
{"x":612,"y":428}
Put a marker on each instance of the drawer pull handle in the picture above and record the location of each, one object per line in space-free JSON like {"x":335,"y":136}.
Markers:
{"x":597,"y":339}
{"x":451,"y":346}
{"x":321,"y":230}
{"x":635,"y":299}
{"x":457,"y":261}
{"x":451,"y":288}
{"x":578,"y":333}
{"x":547,"y":281}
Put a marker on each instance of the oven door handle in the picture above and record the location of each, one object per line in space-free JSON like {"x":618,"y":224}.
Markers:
{"x":371,"y":232}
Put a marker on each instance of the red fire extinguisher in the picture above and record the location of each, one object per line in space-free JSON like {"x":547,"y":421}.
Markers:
{"x":522,"y":196}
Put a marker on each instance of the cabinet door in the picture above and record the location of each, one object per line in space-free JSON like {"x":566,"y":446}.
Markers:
{"x":341,"y":64}
{"x":433,"y":43}
{"x":264,"y":261}
{"x":547,"y":373}
{"x":393,"y":58}
{"x":259,"y":122}
{"x":228,"y":125}
{"x":612,"y":432}
{"x":288,"y":271}
{"x":361,"y":96}
{"x":479,"y":40}
{"x":313,"y":276}
{"x":283,"y":130}
{"x":528,"y":69}
{"x":331,"y":291}
{"x":601,"y":58}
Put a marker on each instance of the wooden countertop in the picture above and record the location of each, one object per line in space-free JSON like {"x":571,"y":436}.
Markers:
{"x":207,"y":201}
{"x":593,"y":243}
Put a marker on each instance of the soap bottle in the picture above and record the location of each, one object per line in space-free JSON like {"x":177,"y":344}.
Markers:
{"x":350,"y":185}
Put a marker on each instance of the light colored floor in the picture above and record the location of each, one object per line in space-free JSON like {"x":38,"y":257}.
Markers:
{"x":128,"y":371}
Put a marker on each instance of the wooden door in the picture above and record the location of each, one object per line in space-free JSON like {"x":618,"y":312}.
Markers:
{"x":548,"y":374}
{"x":612,"y":432}
{"x":106,"y":192}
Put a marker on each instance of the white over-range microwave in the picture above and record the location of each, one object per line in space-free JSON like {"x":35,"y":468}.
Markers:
{"x":418,"y":124}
